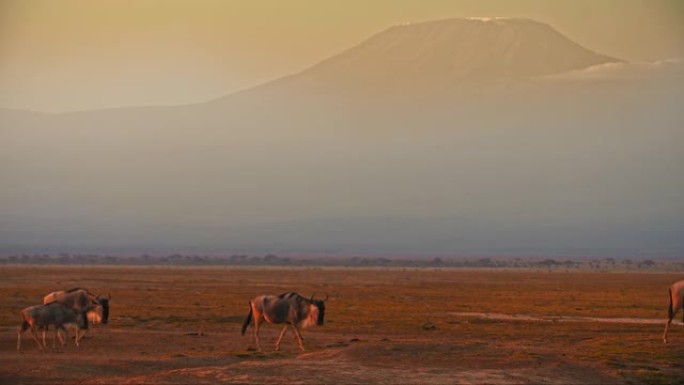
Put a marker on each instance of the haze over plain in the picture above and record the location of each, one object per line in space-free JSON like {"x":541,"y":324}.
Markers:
{"x":454,"y":136}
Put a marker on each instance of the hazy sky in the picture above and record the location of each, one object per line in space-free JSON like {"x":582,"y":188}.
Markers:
{"x":83,"y":54}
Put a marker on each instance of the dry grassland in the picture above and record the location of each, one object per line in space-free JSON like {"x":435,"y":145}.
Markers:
{"x":174,"y":325}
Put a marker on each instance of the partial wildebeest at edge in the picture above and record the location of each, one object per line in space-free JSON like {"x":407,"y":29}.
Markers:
{"x":53,"y":314}
{"x":289,"y":308}
{"x":81,"y":299}
{"x":676,"y":302}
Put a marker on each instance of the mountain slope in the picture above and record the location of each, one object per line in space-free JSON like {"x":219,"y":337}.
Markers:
{"x":442,"y":54}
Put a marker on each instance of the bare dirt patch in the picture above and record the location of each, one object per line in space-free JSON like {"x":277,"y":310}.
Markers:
{"x":386,"y":326}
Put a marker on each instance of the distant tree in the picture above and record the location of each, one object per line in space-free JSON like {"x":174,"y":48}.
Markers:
{"x":647,"y":263}
{"x":271,"y":259}
{"x":548,"y":263}
{"x":486,"y":262}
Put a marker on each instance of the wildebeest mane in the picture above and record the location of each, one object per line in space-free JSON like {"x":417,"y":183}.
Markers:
{"x":79,"y":289}
{"x":288,"y":294}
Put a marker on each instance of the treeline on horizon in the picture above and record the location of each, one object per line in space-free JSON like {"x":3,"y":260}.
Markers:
{"x":353,"y":261}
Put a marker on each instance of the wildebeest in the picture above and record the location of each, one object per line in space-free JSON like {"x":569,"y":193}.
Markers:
{"x":79,"y":299}
{"x":289,"y":308}
{"x":53,"y":314}
{"x":676,"y":302}
{"x":94,"y":317}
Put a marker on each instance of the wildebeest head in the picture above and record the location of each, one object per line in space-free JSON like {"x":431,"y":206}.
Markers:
{"x":104,"y":301}
{"x":320,"y":305}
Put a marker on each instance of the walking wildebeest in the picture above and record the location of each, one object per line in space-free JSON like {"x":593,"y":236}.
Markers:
{"x":80,"y":299}
{"x":53,"y":314}
{"x":676,"y":302}
{"x":94,"y":317}
{"x":288,"y":308}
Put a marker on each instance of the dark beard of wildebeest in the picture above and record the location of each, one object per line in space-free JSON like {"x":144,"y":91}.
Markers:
{"x":289,"y":308}
{"x":80,"y":299}
{"x":53,"y":314}
{"x":676,"y":302}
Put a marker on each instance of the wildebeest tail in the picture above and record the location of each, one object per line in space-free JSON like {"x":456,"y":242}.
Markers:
{"x":24,"y":325}
{"x":247,"y":320}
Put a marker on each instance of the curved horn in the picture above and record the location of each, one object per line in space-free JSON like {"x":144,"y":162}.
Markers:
{"x":326,"y":297}
{"x":313,"y":295}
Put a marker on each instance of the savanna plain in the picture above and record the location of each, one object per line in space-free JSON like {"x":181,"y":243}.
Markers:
{"x":171,"y":325}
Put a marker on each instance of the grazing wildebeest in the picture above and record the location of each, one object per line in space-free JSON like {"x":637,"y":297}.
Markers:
{"x":53,"y":314}
{"x":676,"y":302}
{"x":289,"y":308}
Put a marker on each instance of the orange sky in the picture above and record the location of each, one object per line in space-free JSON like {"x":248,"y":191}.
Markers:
{"x":83,"y":54}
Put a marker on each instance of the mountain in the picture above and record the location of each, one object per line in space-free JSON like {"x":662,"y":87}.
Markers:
{"x":453,"y":136}
{"x":411,"y":60}
{"x":446,"y":53}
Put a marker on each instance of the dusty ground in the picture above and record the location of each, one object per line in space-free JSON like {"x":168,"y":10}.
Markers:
{"x":182,"y":325}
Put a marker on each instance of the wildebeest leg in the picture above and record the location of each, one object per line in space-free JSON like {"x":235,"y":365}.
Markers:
{"x":299,"y":337}
{"x":282,"y":333}
{"x":671,"y":312}
{"x":667,"y":325}
{"x":34,"y":334}
{"x":59,"y":335}
{"x":78,"y":337}
{"x":82,"y":334}
{"x":256,"y":332}
{"x":22,"y":329}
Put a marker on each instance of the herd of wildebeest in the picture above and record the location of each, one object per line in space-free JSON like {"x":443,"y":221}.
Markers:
{"x":77,"y":307}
